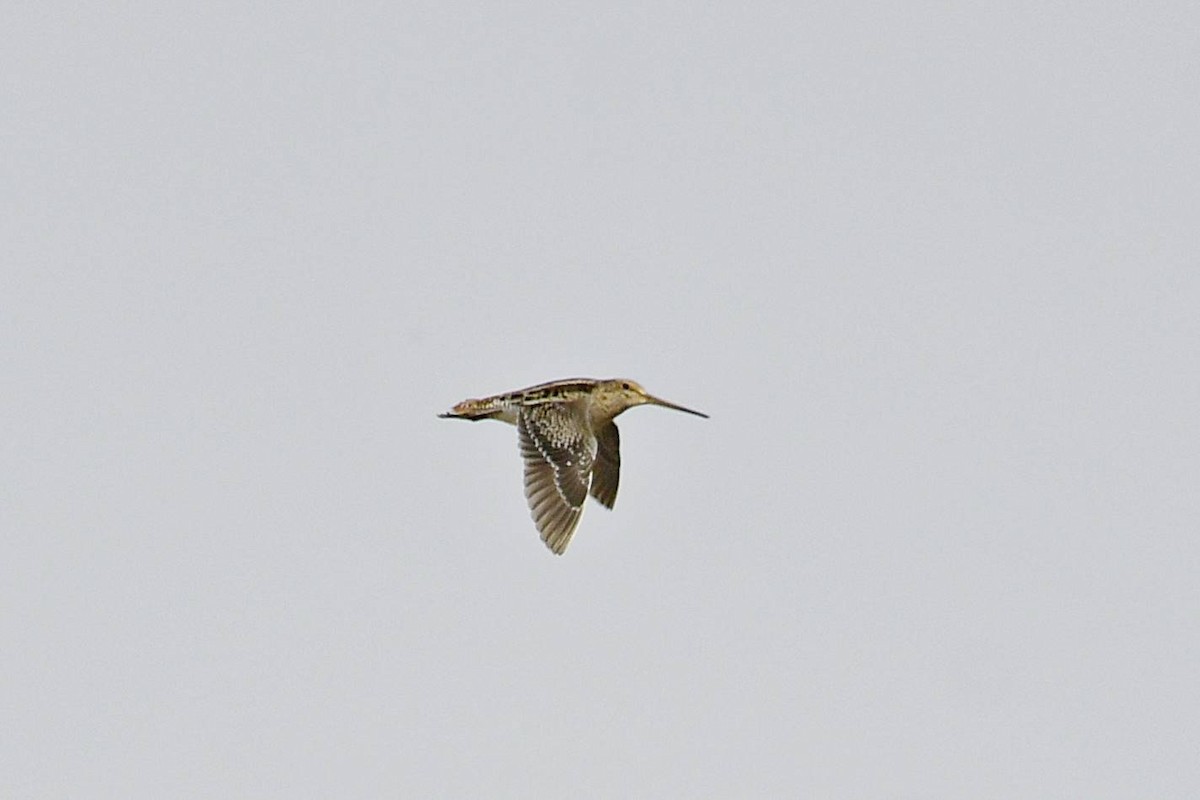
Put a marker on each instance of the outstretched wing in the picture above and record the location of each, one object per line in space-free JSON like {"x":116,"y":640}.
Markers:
{"x":607,"y":472}
{"x":559,"y":453}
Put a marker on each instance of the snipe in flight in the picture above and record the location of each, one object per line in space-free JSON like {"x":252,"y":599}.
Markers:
{"x":569,"y":443}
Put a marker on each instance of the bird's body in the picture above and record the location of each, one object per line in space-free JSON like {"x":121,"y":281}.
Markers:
{"x":569,"y":443}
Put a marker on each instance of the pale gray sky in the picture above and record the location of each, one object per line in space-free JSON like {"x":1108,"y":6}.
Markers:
{"x":933,"y":269}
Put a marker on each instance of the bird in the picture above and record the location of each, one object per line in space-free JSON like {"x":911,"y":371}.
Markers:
{"x":569,"y":444}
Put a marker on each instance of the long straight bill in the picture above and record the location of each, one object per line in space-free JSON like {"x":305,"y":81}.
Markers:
{"x":660,"y":402}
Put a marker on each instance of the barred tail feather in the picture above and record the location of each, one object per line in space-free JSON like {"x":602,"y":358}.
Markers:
{"x":474,"y":410}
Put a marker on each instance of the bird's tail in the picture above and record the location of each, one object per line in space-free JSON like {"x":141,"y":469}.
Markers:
{"x":474,"y":409}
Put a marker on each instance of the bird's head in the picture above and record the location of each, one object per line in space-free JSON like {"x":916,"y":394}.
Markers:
{"x":622,"y":393}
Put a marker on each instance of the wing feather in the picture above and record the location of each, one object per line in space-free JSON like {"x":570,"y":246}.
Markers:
{"x":559,"y":453}
{"x":607,"y":472}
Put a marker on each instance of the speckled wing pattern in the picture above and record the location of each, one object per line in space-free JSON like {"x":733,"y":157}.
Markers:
{"x":559,"y":451}
{"x":607,"y":472}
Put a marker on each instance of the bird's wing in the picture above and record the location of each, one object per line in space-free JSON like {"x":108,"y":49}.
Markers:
{"x":607,"y":472}
{"x":559,"y":452}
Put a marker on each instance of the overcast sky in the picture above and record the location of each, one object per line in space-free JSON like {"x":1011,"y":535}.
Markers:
{"x":933,"y":269}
